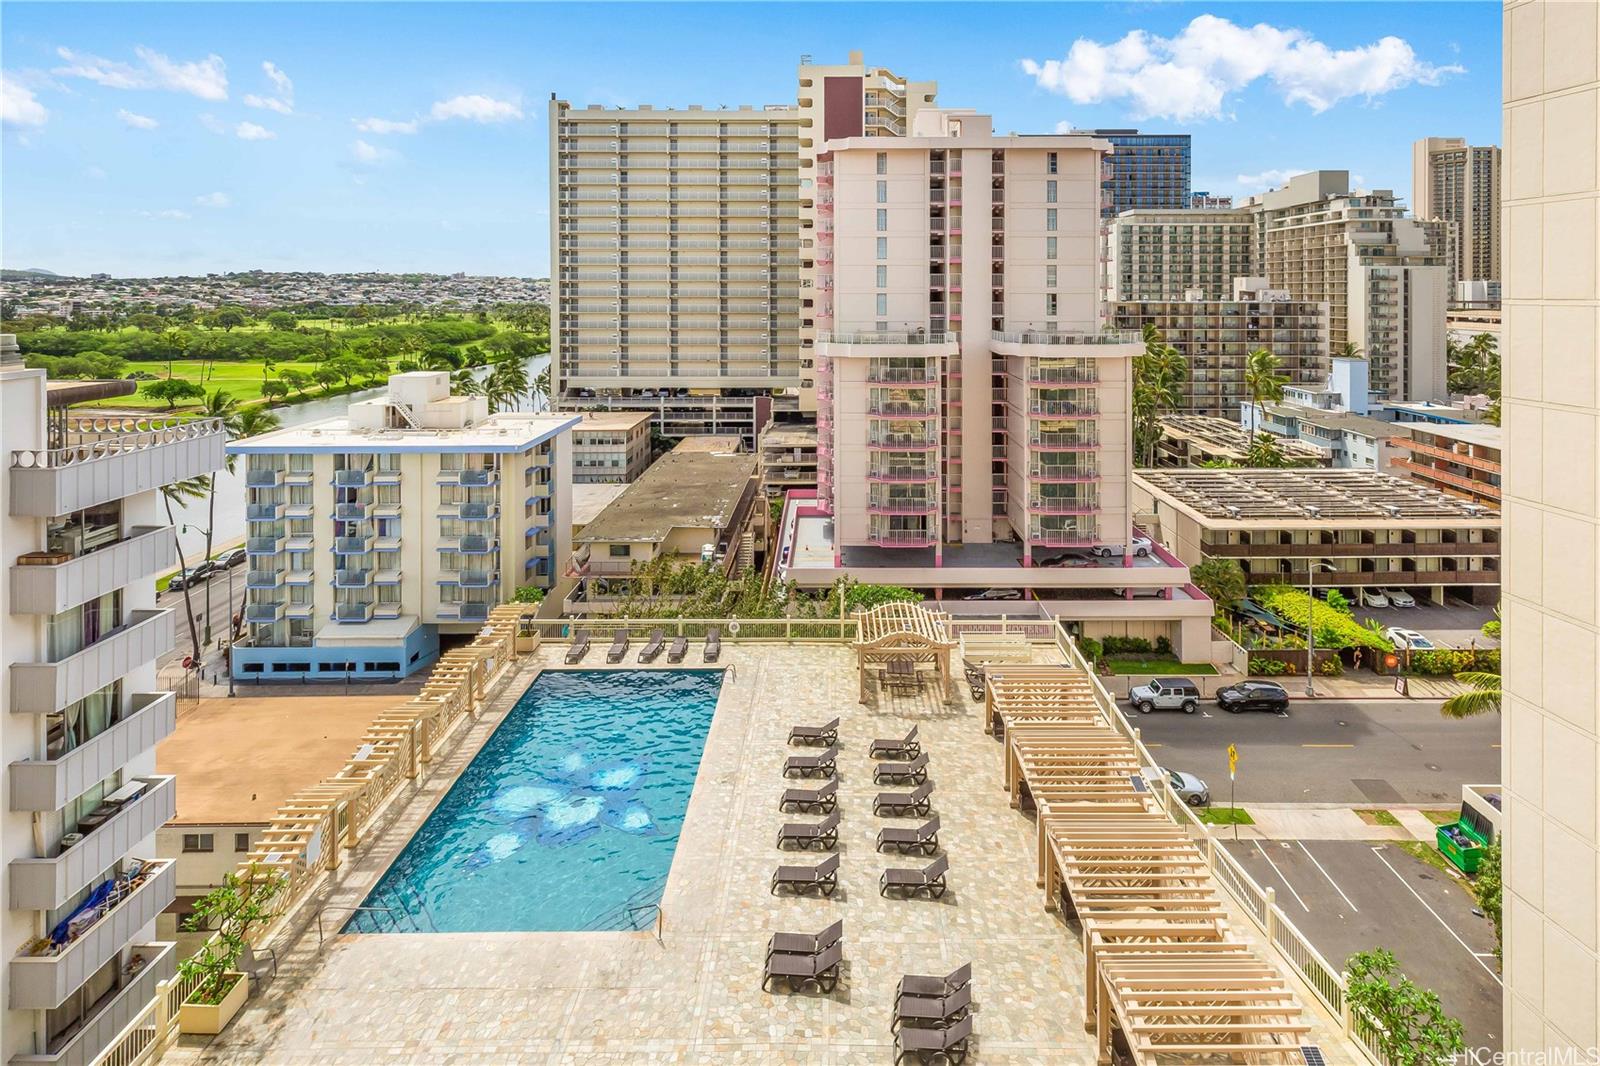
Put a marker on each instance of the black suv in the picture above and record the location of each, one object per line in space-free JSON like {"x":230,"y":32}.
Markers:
{"x":1253,"y":696}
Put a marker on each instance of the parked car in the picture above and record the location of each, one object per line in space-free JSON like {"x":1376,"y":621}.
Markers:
{"x":233,"y":558}
{"x":1373,"y":598}
{"x":1065,"y":559}
{"x":1187,"y":787}
{"x":1398,"y":598}
{"x":994,"y":594}
{"x":1141,"y":548}
{"x":1408,"y":638}
{"x":201,"y":571}
{"x":1253,"y":696}
{"x":178,"y":581}
{"x":1166,"y":694}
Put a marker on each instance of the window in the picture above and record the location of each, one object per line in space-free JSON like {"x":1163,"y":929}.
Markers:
{"x":197,"y":841}
{"x":1049,"y":247}
{"x":1050,"y":276}
{"x":883,"y":276}
{"x":883,"y":191}
{"x":883,"y":219}
{"x":1050,"y":303}
{"x":883,"y":247}
{"x":619,"y":551}
{"x":1050,"y":219}
{"x":1050,"y":164}
{"x":883,"y":162}
{"x":1050,"y":192}
{"x":883,"y":303}
{"x":241,"y":842}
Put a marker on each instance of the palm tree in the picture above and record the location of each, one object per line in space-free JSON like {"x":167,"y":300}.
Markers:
{"x":1351,"y":350}
{"x":1483,"y":697}
{"x":507,"y":384}
{"x":1263,"y":382}
{"x":541,"y":389}
{"x":182,"y":491}
{"x":1158,"y":376}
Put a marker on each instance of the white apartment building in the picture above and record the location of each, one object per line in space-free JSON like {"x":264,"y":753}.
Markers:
{"x":371,"y":536}
{"x":84,"y":536}
{"x":1384,"y":276}
{"x":610,"y":447}
{"x":1460,"y":182}
{"x":1551,"y":713}
{"x":1164,"y":254}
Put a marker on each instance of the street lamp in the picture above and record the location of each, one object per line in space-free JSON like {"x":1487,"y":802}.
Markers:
{"x":185,"y":528}
{"x":1311,"y":626}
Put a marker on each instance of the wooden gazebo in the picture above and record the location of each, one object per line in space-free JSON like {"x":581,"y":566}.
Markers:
{"x":903,"y":633}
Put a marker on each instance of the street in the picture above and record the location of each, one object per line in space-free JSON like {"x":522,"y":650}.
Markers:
{"x":1331,"y":751}
{"x":221,"y":614}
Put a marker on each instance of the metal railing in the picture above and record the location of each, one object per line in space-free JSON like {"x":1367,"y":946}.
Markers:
{"x":88,"y":439}
{"x":1040,"y":336}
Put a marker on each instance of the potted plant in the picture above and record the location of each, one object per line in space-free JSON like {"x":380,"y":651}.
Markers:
{"x":232,"y":911}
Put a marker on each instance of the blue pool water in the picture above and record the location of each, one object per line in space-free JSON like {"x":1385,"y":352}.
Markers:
{"x":568,"y":816}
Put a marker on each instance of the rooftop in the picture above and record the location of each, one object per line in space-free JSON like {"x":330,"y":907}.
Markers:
{"x":1221,"y":437}
{"x":1360,"y":497}
{"x":508,"y":431}
{"x":709,"y":442}
{"x":624,"y":420}
{"x":1481,"y":434}
{"x":241,"y":758}
{"x":783,"y":435}
{"x":589,"y":499}
{"x":682,"y":489}
{"x":1344,"y":421}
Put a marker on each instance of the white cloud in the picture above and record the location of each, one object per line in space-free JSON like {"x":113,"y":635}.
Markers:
{"x":283,"y":99}
{"x":269,"y":103}
{"x":475,"y":108}
{"x":138,"y":122}
{"x":18,"y":105}
{"x":383,"y":125}
{"x":279,"y":79}
{"x":206,"y":78}
{"x":371,"y":154}
{"x":171,"y":213}
{"x":1064,"y":126}
{"x":1189,"y":76}
{"x":249,"y":131}
{"x":1268,"y":179}
{"x":213,"y":199}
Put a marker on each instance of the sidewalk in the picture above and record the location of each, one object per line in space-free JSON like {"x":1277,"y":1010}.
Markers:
{"x":1316,"y":821}
{"x":1365,"y":685}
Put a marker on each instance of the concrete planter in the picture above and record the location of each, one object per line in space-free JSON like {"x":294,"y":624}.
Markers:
{"x":209,"y":1019}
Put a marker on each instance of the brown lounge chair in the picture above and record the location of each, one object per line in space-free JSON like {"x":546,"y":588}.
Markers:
{"x":811,"y":800}
{"x":827,"y":733}
{"x":806,"y":943}
{"x":922,"y":1011}
{"x":929,"y":879}
{"x":914,"y":772}
{"x":580,"y":647}
{"x":619,"y":647}
{"x":823,"y":834}
{"x":652,"y":648}
{"x":822,"y":765}
{"x":924,"y":838}
{"x":713,"y":648}
{"x":948,"y":1044}
{"x":824,"y":877}
{"x":801,"y":970}
{"x":908,"y":748}
{"x":901,"y":803}
{"x":680,"y":648}
{"x":914,"y":984}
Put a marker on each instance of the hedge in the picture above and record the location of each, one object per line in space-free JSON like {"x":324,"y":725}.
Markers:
{"x":1334,"y":628}
{"x":1443,"y":662}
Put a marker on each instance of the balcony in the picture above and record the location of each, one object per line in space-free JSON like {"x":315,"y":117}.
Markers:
{"x":886,"y":343}
{"x":263,"y":613}
{"x":1039,"y":342}
{"x":48,"y":784}
{"x":1050,"y":473}
{"x":352,"y":512}
{"x":263,"y":479}
{"x":882,"y":505}
{"x":1040,"y":374}
{"x":478,"y":512}
{"x":352,"y":579}
{"x":1063,"y":504}
{"x":1085,"y":408}
{"x":42,"y":585}
{"x":298,"y":477}
{"x":902,"y":375}
{"x":40,"y":688}
{"x":899,"y":409}
{"x":300,"y":542}
{"x":900,"y":474}
{"x":41,"y":982}
{"x":386,"y":544}
{"x":352,"y":612}
{"x":1061,"y":442}
{"x":109,"y":458}
{"x":386,"y":477}
{"x":1060,"y":538}
{"x":470,"y":478}
{"x":299,"y":510}
{"x":897,"y":442}
{"x":901,"y":538}
{"x":469,"y":579}
{"x":472,"y":545}
{"x":263,"y":512}
{"x":353,"y":545}
{"x":350,"y":479}
{"x":473,"y":612}
{"x":45,"y":884}
{"x":263,"y":545}
{"x":263,"y":579}
{"x":386,"y":577}
{"x":112,"y":1013}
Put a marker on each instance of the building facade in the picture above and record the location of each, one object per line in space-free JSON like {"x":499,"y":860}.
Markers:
{"x":1144,"y":170}
{"x":84,"y":537}
{"x":1384,"y":276}
{"x":788,"y":458}
{"x":1463,"y":460}
{"x":610,"y":447}
{"x":1216,"y":337}
{"x":372,"y":535}
{"x":1550,"y":723}
{"x":1201,"y":200}
{"x":1459,"y":182}
{"x":1163,"y":255}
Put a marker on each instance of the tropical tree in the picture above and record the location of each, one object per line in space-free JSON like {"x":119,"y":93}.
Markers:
{"x":1486,"y":889}
{"x":176,"y":342}
{"x":541,"y":389}
{"x":1263,"y":383}
{"x":465,"y":383}
{"x":194,"y":488}
{"x":281,"y":321}
{"x":1221,"y":579}
{"x":1481,"y":698}
{"x":172,"y":390}
{"x":1351,"y":350}
{"x":227,"y":318}
{"x":296,"y":380}
{"x":274,"y":390}
{"x":1412,"y":1028}
{"x":1158,"y":376}
{"x":1264,"y":452}
{"x":327,"y":376}
{"x":507,"y":385}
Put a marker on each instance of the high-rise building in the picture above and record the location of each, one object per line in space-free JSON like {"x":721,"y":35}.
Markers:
{"x":1551,"y":706}
{"x":84,"y":536}
{"x":1216,"y":337}
{"x":372,"y":534}
{"x":1162,"y":255}
{"x":1383,"y":275}
{"x":1458,"y":182}
{"x":1143,"y":170}
{"x":1201,"y":200}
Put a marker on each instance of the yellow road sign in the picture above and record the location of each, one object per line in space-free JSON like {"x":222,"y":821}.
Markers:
{"x":1233,"y":759}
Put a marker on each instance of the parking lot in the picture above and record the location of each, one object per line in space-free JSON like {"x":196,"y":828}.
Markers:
{"x":1457,"y":625}
{"x":1349,"y":896}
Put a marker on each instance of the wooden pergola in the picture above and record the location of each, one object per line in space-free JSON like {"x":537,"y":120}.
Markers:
{"x":903,"y":633}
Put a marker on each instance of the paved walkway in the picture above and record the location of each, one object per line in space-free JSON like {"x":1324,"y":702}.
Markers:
{"x":1316,"y":821}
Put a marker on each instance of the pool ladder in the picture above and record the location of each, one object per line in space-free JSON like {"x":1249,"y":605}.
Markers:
{"x":399,"y":919}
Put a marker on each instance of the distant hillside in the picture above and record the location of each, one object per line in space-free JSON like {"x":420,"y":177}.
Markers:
{"x":31,"y":272}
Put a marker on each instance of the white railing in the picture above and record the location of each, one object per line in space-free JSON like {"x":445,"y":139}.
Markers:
{"x":97,"y":438}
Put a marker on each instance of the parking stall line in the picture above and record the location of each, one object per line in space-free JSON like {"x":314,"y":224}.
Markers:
{"x":1282,"y":878}
{"x":1329,"y":876}
{"x":1477,"y":956}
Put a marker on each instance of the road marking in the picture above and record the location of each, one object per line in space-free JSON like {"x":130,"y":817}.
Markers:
{"x":1282,"y":878}
{"x":1494,"y":745}
{"x":1327,"y":745}
{"x":1378,"y":851}
{"x":1329,"y":876}
{"x":1155,"y":745}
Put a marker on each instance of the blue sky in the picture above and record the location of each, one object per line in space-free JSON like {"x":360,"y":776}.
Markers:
{"x":184,"y":138}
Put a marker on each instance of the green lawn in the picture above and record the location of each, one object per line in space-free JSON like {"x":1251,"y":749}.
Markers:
{"x":240,"y":379}
{"x":1427,"y":853}
{"x":1126,"y":664}
{"x":1377,"y":816}
{"x":1224,"y":816}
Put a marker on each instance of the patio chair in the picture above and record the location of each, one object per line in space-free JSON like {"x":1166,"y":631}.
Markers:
{"x":902,"y":803}
{"x":798,"y":971}
{"x":975,"y":680}
{"x":823,"y":834}
{"x":827,"y":733}
{"x":619,"y":647}
{"x":806,"y":943}
{"x":907,"y":748}
{"x":923,"y":838}
{"x":713,"y":648}
{"x":680,"y":648}
{"x":929,"y":879}
{"x":925,"y":1011}
{"x":949,"y":1043}
{"x":824,"y":877}
{"x":580,"y":647}
{"x":913,"y":984}
{"x":811,"y":800}
{"x":652,"y":647}
{"x":914,"y":772}
{"x":821,"y":765}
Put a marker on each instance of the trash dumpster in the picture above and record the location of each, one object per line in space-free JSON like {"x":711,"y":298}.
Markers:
{"x":1463,"y":841}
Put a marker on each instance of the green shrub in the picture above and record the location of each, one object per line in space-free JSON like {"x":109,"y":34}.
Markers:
{"x":1091,"y":648}
{"x":1491,"y":629}
{"x":1440,"y":662}
{"x":1334,"y":630}
{"x":1330,"y":667}
{"x":1163,"y":646}
{"x":1338,"y":601}
{"x":1268,"y":667}
{"x":1129,"y":646}
{"x":529,"y":594}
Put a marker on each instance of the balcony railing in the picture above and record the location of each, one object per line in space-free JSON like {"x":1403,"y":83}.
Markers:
{"x":352,"y":512}
{"x":352,"y":578}
{"x":475,"y":545}
{"x":474,"y":612}
{"x":263,"y":545}
{"x":109,"y":458}
{"x":50,"y":784}
{"x":264,"y":512}
{"x":353,"y":545}
{"x":1062,"y":375}
{"x":469,"y":477}
{"x":1051,"y":473}
{"x":1057,"y":337}
{"x":352,"y":612}
{"x":880,"y":505}
{"x":350,"y":479}
{"x":896,"y":409}
{"x":263,"y":479}
{"x":1063,"y":408}
{"x":1063,"y":504}
{"x":477,"y":512}
{"x":903,"y":474}
{"x":113,"y":1012}
{"x":46,"y":687}
{"x":901,"y":538}
{"x":902,"y":375}
{"x":1065,"y":442}
{"x":263,"y":579}
{"x":915,"y":336}
{"x":108,"y":831}
{"x":47,"y":583}
{"x":263,"y":613}
{"x":1060,"y":538}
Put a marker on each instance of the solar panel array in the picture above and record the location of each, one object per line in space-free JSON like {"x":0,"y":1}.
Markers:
{"x":1307,"y":494}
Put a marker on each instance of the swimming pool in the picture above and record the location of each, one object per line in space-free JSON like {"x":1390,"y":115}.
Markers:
{"x":566,"y":819}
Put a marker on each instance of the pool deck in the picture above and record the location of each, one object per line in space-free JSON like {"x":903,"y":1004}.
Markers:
{"x":606,"y":998}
